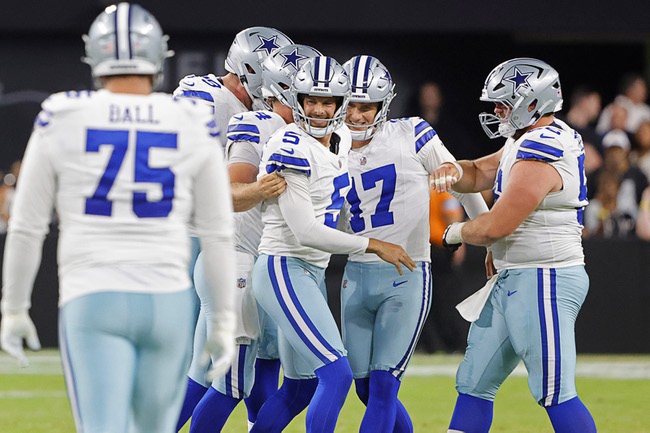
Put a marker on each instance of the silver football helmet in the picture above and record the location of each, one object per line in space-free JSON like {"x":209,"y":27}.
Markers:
{"x":517,"y":84}
{"x":278,"y":70}
{"x":319,"y":76}
{"x":126,"y":39}
{"x":370,"y":81}
{"x":250,"y":47}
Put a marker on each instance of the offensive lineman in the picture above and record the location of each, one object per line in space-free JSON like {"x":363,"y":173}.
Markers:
{"x":383,"y":312}
{"x":534,"y":230}
{"x":127,"y":169}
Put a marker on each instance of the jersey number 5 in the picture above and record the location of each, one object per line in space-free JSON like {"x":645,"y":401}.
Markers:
{"x":99,"y":204}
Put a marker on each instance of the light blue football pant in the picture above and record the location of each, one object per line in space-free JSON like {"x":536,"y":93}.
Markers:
{"x":530,"y":316}
{"x":293,"y":294}
{"x":239,"y":380}
{"x":382,"y":315}
{"x":125,"y":356}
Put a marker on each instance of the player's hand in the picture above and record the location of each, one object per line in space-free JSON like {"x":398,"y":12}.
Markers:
{"x":391,"y":253}
{"x":444,"y":177}
{"x":452,"y":238}
{"x":220,"y":346}
{"x":271,"y":185}
{"x":15,"y":328}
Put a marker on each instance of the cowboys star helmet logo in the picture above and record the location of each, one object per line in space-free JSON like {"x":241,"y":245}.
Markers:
{"x":268,"y":45}
{"x":518,"y":78}
{"x":293,"y":59}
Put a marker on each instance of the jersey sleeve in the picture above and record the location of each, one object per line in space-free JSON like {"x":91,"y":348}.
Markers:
{"x":286,"y":158}
{"x":429,"y":149}
{"x":29,"y":223}
{"x":541,"y":144}
{"x":195,"y":88}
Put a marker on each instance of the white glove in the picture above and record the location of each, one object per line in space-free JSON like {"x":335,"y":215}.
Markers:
{"x":452,"y":238}
{"x":220,"y":347}
{"x":13,"y":329}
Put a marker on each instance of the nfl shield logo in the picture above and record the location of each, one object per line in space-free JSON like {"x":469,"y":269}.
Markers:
{"x":345,"y":283}
{"x":363,"y":160}
{"x":241,"y":283}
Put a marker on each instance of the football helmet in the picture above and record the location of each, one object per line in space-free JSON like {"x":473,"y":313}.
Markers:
{"x":250,"y":47}
{"x":517,"y":84}
{"x":279,"y":68}
{"x":319,"y":76}
{"x":126,"y":39}
{"x":370,"y":81}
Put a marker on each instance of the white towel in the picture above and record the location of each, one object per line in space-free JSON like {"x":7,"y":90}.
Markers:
{"x":471,"y":307}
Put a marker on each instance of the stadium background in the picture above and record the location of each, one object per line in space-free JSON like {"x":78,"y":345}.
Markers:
{"x":453,"y":43}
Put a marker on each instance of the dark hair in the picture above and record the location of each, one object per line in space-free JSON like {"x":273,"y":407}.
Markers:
{"x":580,"y":93}
{"x":628,"y":81}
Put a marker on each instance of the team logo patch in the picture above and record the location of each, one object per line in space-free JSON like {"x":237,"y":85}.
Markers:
{"x":345,"y":284}
{"x":363,"y":160}
{"x":241,"y":283}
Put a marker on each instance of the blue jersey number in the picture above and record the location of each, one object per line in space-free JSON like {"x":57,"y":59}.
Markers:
{"x":332,"y":218}
{"x":99,"y":204}
{"x":382,"y":215}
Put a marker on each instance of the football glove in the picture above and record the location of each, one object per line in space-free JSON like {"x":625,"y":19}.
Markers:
{"x":13,"y":329}
{"x":220,"y":346}
{"x":452,"y":238}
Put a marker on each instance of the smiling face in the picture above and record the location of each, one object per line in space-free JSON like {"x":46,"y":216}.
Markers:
{"x":319,"y":107}
{"x":360,"y":115}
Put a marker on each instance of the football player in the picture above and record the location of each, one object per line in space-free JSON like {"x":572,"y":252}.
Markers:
{"x":127,"y":170}
{"x":383,"y":312}
{"x":300,"y":234}
{"x":534,"y":232}
{"x":247,"y":133}
{"x":238,"y":91}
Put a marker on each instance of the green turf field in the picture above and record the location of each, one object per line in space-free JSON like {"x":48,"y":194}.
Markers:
{"x":615,"y":388}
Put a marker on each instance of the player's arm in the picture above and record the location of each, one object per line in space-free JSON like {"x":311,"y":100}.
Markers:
{"x":29,"y":223}
{"x":474,"y":176}
{"x":247,"y":191}
{"x":215,"y":227}
{"x":519,"y":199}
{"x":298,"y":211}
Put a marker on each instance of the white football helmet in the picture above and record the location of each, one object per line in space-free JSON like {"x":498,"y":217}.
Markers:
{"x":518,"y":83}
{"x":278,"y":70}
{"x":370,"y":81}
{"x":250,"y":47}
{"x":126,"y":39}
{"x":319,"y":76}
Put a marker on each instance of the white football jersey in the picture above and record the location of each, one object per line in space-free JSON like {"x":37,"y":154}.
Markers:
{"x":211,"y":91}
{"x":551,"y":236}
{"x":292,"y":150}
{"x":124,"y":169}
{"x":389,"y":195}
{"x":252,"y":128}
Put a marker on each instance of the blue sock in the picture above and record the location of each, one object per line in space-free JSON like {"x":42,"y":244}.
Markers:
{"x":280,"y":408}
{"x":334,"y":382}
{"x":212,"y":412}
{"x":403,"y":423}
{"x":266,"y":384}
{"x":193,"y":395}
{"x":472,"y":414}
{"x":570,"y":417}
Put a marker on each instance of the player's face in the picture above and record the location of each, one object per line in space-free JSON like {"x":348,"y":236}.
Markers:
{"x":501,"y":110}
{"x":319,"y":107}
{"x":361,"y":114}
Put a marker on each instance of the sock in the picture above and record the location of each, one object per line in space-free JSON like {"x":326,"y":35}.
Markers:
{"x":334,"y":382}
{"x":403,"y":423}
{"x":472,"y":414}
{"x":266,"y":384}
{"x":571,"y":417}
{"x":193,"y":395}
{"x":212,"y":412}
{"x":280,"y":408}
